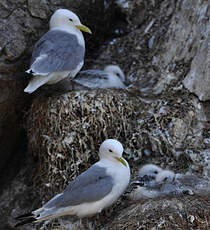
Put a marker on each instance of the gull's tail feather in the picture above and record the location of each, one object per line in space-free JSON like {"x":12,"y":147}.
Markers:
{"x":36,"y":82}
{"x":27,"y":220}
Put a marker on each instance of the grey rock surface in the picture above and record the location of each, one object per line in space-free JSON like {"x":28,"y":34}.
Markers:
{"x":38,"y":8}
{"x":184,"y":212}
{"x":187,"y":43}
{"x":15,"y":27}
{"x":135,"y":11}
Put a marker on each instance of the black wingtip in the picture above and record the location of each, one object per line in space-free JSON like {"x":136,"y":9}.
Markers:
{"x":27,"y":221}
{"x":24,"y":216}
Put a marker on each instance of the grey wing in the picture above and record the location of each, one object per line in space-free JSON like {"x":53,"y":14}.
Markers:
{"x":91,"y":78}
{"x":92,"y":185}
{"x":56,"y":51}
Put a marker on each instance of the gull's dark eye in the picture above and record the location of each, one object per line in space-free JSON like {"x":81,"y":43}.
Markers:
{"x":155,"y":172}
{"x":110,"y":151}
{"x":71,"y":20}
{"x":165,"y":179}
{"x":118,"y":74}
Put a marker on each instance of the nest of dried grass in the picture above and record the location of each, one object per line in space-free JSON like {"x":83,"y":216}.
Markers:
{"x":65,"y":133}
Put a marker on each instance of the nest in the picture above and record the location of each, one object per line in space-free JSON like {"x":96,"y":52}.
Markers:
{"x":65,"y":133}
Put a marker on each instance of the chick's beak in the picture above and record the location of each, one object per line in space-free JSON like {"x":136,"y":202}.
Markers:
{"x":121,"y":160}
{"x":84,"y":28}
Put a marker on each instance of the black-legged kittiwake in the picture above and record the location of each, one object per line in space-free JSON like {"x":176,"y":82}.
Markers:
{"x":159,"y":183}
{"x":92,"y":191}
{"x":166,"y":180}
{"x":111,"y":77}
{"x":164,"y":184}
{"x":60,"y":52}
{"x":146,"y":175}
{"x":144,"y":185}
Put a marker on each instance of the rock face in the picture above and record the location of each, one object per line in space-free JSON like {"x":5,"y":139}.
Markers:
{"x":167,"y":213}
{"x":156,"y":118}
{"x":187,"y":43}
{"x":16,"y":28}
{"x":135,"y":11}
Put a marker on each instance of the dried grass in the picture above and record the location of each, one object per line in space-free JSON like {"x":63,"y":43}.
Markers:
{"x":65,"y":133}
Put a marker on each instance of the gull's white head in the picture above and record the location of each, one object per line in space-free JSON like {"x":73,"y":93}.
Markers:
{"x":113,"y":150}
{"x":149,"y":170}
{"x":68,"y":19}
{"x":115,"y":69}
{"x":165,"y":176}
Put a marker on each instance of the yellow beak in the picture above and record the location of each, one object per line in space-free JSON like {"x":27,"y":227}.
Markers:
{"x":121,"y":160}
{"x":84,"y":28}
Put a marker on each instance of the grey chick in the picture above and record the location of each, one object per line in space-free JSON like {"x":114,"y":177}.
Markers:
{"x":146,"y":175}
{"x":111,"y":77}
{"x":144,"y":185}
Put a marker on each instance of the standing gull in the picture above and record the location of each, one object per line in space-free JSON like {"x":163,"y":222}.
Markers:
{"x":60,"y":52}
{"x":92,"y":191}
{"x":111,"y":77}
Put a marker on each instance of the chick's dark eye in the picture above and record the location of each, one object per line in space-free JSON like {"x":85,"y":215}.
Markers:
{"x":165,"y":179}
{"x":155,"y":172}
{"x":110,"y":151}
{"x":71,"y":20}
{"x":118,"y":74}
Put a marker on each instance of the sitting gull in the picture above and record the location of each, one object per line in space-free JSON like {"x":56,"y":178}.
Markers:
{"x":111,"y":77}
{"x":60,"y":52}
{"x":92,"y":191}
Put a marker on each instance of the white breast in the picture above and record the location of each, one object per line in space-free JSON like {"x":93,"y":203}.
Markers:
{"x":121,"y":178}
